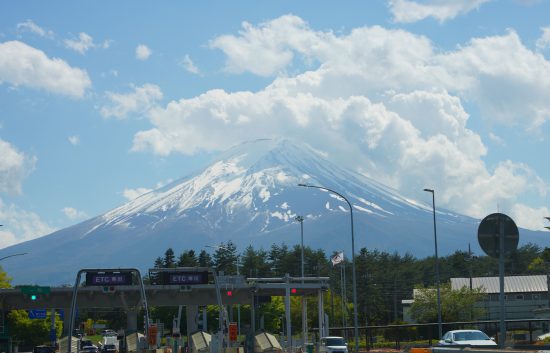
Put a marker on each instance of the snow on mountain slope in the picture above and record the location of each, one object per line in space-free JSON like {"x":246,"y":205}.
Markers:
{"x":249,"y":195}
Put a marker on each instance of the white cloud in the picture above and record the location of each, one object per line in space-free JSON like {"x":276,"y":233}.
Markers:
{"x":507,"y":80}
{"x":74,"y":140}
{"x":267,"y":49}
{"x":188,"y":65}
{"x":23,"y":65}
{"x":30,"y":26}
{"x":82,"y":44}
{"x":139,"y":101}
{"x":530,"y":218}
{"x":544,"y":41}
{"x":442,"y":10}
{"x":143,"y":52}
{"x":14,"y":167}
{"x":20,"y":225}
{"x":73,"y":214}
{"x":385,"y":100}
{"x":497,"y":139}
{"x":131,"y":194}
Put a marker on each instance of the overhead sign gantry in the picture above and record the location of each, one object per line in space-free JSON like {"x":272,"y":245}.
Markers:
{"x":109,"y":278}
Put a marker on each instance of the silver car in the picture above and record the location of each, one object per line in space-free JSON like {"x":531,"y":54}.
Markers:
{"x":466,"y":338}
{"x":333,"y":344}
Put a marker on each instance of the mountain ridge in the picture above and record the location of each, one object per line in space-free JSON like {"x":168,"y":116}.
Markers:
{"x":248,"y":195}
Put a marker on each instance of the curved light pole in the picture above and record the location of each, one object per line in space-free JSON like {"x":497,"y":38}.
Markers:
{"x":12,"y":255}
{"x":439,"y":321}
{"x":355,"y":322}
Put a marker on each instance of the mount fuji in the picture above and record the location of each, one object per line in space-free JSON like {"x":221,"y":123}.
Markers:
{"x":249,"y":195}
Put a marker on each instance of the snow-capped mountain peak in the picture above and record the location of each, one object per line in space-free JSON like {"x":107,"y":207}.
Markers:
{"x":249,"y":195}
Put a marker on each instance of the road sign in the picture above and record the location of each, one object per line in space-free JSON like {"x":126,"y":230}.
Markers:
{"x":30,"y":290}
{"x":108,"y":278}
{"x":187,"y":278}
{"x":233,"y":331}
{"x":488,"y":234}
{"x":37,"y":314}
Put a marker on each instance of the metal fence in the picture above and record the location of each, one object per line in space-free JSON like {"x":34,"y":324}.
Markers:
{"x":520,"y":333}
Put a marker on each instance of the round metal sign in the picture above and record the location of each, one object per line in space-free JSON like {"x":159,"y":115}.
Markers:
{"x":488,"y":234}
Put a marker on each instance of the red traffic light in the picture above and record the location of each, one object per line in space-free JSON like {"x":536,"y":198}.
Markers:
{"x":229,"y":293}
{"x":293,"y":290}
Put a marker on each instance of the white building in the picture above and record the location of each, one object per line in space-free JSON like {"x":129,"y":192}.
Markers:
{"x":525,"y":297}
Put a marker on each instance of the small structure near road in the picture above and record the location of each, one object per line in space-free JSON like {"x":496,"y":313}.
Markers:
{"x":266,"y":343}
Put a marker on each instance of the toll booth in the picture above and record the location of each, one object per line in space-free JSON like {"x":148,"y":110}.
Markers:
{"x":266,"y":343}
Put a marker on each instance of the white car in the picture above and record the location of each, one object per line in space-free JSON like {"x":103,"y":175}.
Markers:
{"x":333,"y":344}
{"x":466,"y":338}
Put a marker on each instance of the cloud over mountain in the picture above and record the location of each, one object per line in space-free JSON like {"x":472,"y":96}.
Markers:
{"x":249,"y":195}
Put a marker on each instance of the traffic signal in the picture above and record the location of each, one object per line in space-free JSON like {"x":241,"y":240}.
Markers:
{"x":293,"y":291}
{"x":108,"y":289}
{"x":34,"y":297}
{"x":229,"y":293}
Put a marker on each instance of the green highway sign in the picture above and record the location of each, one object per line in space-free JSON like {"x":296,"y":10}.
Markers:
{"x":30,"y":290}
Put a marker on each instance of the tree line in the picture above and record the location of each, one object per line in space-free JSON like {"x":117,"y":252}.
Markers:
{"x":383,"y":279}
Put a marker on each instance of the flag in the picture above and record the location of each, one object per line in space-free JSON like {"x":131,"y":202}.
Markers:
{"x":336,"y":259}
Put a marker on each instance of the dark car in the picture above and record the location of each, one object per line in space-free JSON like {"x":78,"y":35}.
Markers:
{"x":84,"y":343}
{"x":109,"y":348}
{"x":108,"y":333}
{"x":89,"y":349}
{"x":43,"y":349}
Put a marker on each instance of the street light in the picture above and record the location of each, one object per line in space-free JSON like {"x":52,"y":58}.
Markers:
{"x":439,"y":322}
{"x":12,"y":255}
{"x":304,"y":327}
{"x":355,"y":321}
{"x":301,"y":220}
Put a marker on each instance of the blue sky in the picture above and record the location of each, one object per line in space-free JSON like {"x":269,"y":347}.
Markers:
{"x":102,"y":101}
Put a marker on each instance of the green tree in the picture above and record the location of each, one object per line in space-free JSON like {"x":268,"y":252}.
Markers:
{"x":169,"y":259}
{"x":188,"y":259}
{"x":541,"y":263}
{"x":158,"y":262}
{"x":456,"y":305}
{"x":254,"y":263}
{"x":5,"y":280}
{"x":225,"y":258}
{"x":32,"y":332}
{"x":204,"y":259}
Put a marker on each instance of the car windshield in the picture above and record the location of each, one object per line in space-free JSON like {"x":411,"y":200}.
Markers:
{"x":470,"y":336}
{"x":336,"y":341}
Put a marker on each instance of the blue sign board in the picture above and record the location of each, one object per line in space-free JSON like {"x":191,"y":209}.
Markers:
{"x":180,"y":278}
{"x":108,"y":278}
{"x":37,"y":314}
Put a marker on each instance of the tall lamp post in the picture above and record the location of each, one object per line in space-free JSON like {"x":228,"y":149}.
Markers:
{"x":439,"y":321}
{"x":355,"y":321}
{"x":304,"y":312}
{"x":301,"y":220}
